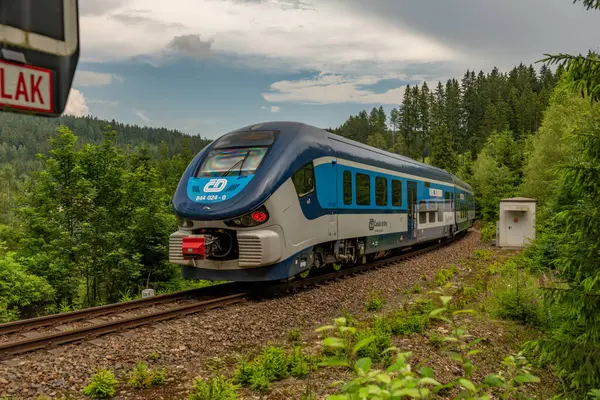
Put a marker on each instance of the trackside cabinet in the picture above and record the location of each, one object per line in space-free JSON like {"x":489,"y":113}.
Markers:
{"x":517,"y":222}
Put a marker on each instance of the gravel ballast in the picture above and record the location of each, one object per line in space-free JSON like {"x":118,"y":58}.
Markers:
{"x":185,"y":344}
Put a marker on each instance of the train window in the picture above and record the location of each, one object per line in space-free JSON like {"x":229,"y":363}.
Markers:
{"x":381,"y":189}
{"x":447,"y":204}
{"x":347,"y":188}
{"x":432,"y":216}
{"x":363,"y":189}
{"x":396,"y":193}
{"x":423,"y":217}
{"x":232,"y":162}
{"x":304,"y":180}
{"x":427,"y":184}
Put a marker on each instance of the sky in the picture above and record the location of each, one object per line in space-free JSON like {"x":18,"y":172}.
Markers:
{"x":211,"y":66}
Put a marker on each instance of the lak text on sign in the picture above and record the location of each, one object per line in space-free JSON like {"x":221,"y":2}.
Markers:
{"x":25,"y":87}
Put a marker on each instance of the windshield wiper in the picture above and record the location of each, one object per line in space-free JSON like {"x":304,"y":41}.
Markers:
{"x":234,"y":165}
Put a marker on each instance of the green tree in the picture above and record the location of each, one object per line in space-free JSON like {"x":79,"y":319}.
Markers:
{"x":377,"y":140}
{"x":496,"y":173}
{"x":573,"y":345}
{"x":97,"y":220}
{"x":409,"y":116}
{"x":551,"y":146}
{"x":21,"y":293}
{"x":54,"y":204}
{"x":442,"y":150}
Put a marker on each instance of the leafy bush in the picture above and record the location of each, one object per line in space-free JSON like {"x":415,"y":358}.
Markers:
{"x":103,"y":385}
{"x":488,"y":232}
{"x":436,"y":340}
{"x":142,"y":377}
{"x":444,"y":275}
{"x":294,"y":336}
{"x":521,"y":306}
{"x":20,"y":291}
{"x":422,"y":306}
{"x":214,"y":388}
{"x":375,"y":302}
{"x":243,"y":372}
{"x":272,"y":364}
{"x":484,"y":255}
{"x":154,"y":356}
{"x":407,"y":324}
{"x":381,"y":334}
{"x":298,"y":363}
{"x":516,"y":295}
{"x":399,"y":380}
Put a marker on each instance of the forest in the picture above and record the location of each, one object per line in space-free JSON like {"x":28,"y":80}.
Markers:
{"x":85,"y":207}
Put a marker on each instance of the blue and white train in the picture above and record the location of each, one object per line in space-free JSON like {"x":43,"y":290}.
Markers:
{"x":276,"y":200}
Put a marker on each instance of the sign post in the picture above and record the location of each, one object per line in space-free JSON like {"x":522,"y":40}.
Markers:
{"x":39,"y":52}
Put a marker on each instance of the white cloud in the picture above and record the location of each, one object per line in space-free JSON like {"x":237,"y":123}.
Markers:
{"x":76,"y":104}
{"x":322,"y":36}
{"x":275,"y":109}
{"x":91,"y":78}
{"x":142,"y":115}
{"x":334,"y":88}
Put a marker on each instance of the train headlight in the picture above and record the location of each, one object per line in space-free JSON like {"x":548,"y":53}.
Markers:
{"x":254,"y":218}
{"x":184,"y":223}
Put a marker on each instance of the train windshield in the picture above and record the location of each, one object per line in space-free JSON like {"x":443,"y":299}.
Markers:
{"x":237,"y":154}
{"x":232,"y":162}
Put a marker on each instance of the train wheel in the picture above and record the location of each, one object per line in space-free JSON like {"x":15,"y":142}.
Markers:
{"x":304,"y":274}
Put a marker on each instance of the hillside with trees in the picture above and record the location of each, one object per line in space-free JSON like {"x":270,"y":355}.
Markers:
{"x":23,"y":137}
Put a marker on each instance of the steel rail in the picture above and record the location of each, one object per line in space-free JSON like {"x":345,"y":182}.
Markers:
{"x":93,"y":312}
{"x":13,"y":348}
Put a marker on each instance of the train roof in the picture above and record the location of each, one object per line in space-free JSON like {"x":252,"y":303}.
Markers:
{"x":354,"y":149}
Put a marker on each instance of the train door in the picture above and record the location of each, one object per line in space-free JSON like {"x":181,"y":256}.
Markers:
{"x":333,"y":212}
{"x":412,"y":209}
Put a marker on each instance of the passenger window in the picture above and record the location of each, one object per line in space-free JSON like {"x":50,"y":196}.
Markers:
{"x":363,"y":190}
{"x":347,"y":188}
{"x":432,"y":216}
{"x":381,"y":195}
{"x":422,"y":217}
{"x":304,"y":180}
{"x":447,"y":204}
{"x":396,"y":193}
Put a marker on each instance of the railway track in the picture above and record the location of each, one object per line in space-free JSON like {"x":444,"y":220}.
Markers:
{"x":194,"y":301}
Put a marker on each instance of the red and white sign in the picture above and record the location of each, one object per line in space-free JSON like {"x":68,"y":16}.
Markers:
{"x":25,"y":87}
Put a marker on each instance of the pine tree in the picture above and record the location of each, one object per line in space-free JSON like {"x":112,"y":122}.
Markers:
{"x":573,"y":347}
{"x":409,"y":120}
{"x":442,"y":149}
{"x":377,"y":140}
{"x":452,"y":111}
{"x":395,"y":123}
{"x":424,"y":120}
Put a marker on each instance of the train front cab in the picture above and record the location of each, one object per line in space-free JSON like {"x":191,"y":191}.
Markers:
{"x":216,"y":248}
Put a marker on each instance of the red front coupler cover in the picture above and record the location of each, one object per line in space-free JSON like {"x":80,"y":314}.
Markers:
{"x":193,"y":247}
